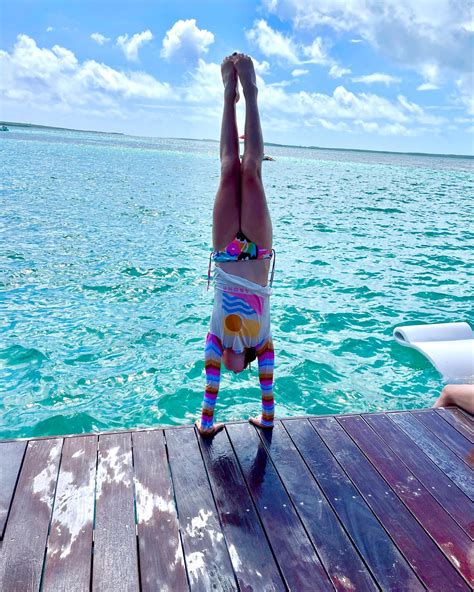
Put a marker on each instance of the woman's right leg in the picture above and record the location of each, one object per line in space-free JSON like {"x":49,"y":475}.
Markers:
{"x":226,"y":215}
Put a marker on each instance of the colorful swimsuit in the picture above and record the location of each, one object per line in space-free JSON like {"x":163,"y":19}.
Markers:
{"x":240,"y":320}
{"x":241,"y":249}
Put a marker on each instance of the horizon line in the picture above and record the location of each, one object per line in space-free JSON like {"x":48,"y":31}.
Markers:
{"x":70,"y":129}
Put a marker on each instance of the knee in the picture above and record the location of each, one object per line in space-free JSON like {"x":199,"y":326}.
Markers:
{"x":447,"y":394}
{"x":230,"y":169}
{"x":447,"y":391}
{"x":251,"y":169}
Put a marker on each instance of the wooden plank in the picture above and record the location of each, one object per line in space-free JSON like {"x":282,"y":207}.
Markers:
{"x":11,"y":456}
{"x":448,"y":435}
{"x":207,"y":559}
{"x":433,"y":569}
{"x":159,"y":543}
{"x":115,"y":562}
{"x":69,"y":554}
{"x":440,"y":454}
{"x":440,"y":486}
{"x":458,"y":420}
{"x":383,"y":558}
{"x":296,"y":556}
{"x":24,"y":544}
{"x":341,"y":560}
{"x":469,"y":416}
{"x":447,"y":534}
{"x":250,"y":553}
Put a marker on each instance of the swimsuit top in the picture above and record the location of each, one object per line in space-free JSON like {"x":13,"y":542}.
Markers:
{"x":241,"y":249}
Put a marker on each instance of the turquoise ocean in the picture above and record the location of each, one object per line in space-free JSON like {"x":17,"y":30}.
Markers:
{"x":104,"y":251}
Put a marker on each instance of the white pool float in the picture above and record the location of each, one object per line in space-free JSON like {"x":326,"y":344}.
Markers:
{"x":448,"y":346}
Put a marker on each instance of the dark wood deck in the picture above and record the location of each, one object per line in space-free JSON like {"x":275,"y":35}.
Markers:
{"x":350,"y":502}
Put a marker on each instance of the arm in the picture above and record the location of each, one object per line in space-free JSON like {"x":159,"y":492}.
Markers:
{"x":266,"y":363}
{"x":213,"y":357}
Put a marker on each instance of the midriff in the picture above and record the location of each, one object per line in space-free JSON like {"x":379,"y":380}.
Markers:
{"x":255,"y":270}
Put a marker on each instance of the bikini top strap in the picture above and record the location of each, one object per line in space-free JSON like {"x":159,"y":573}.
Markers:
{"x":273,"y":267}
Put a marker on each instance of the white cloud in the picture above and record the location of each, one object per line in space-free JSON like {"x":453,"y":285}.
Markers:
{"x":131,"y":46}
{"x":337,"y":71}
{"x":299,"y":72}
{"x":186,"y":41}
{"x":388,"y":129}
{"x":261,"y":68}
{"x":49,"y":29}
{"x":356,"y":40}
{"x":427,"y":86}
{"x":343,"y":104}
{"x":340,"y":107}
{"x":339,"y":126}
{"x":275,"y":44}
{"x":54,"y":77}
{"x":315,"y":52}
{"x":376,"y":77}
{"x":272,"y":43}
{"x":99,"y":38}
{"x":206,"y":85}
{"x":465,"y":86}
{"x":54,"y":80}
{"x":434,"y":39}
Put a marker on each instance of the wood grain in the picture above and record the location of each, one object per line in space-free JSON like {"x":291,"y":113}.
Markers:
{"x":11,"y":457}
{"x":69,"y":553}
{"x":24,"y":543}
{"x":207,"y":558}
{"x":387,"y":564}
{"x":297,"y":558}
{"x":115,"y":563}
{"x":159,"y":542}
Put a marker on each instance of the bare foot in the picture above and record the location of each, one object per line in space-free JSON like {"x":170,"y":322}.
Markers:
{"x":257,"y":421}
{"x":246,"y":71}
{"x":217,"y":427}
{"x":229,"y":78}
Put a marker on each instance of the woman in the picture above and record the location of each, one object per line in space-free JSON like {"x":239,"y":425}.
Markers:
{"x":242,"y":243}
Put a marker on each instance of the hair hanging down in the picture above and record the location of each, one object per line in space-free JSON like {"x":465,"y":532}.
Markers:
{"x":250,"y":355}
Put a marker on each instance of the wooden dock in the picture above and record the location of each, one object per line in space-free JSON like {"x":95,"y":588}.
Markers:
{"x":378,"y":501}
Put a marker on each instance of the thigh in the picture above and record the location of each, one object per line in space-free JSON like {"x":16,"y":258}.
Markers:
{"x":226,"y":214}
{"x":255,"y":221}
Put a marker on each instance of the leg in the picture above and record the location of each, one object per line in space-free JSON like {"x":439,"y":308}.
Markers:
{"x":255,"y":221}
{"x":226,"y":215}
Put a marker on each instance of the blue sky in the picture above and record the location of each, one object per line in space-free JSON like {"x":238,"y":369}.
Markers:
{"x":370,"y":74}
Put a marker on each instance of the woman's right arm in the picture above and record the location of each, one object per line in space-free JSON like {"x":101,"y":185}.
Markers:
{"x":213,"y":358}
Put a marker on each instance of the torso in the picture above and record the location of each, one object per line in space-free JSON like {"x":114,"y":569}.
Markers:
{"x":255,"y":270}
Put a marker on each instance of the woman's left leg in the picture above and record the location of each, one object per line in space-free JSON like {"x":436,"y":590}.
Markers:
{"x":255,"y":221}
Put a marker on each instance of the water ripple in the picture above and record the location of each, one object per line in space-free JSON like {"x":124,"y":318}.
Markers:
{"x":103,"y":277}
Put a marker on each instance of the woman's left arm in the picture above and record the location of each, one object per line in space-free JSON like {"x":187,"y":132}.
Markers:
{"x":266,"y":364}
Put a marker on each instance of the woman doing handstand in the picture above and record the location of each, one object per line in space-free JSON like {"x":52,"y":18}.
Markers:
{"x":242,"y":251}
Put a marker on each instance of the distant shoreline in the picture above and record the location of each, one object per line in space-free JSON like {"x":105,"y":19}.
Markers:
{"x":69,"y":129}
{"x":52,"y":127}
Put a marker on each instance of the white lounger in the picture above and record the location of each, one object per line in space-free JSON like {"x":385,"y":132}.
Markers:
{"x":448,"y":346}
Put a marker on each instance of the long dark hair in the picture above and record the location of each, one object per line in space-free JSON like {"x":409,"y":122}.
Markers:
{"x":250,"y":355}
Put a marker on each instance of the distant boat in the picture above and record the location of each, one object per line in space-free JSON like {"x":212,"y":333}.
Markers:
{"x":4,"y":129}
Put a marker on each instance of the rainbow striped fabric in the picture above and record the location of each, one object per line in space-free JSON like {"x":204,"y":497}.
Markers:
{"x":213,"y":358}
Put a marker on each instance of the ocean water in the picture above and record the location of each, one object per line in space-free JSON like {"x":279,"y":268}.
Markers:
{"x":104,"y":250}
